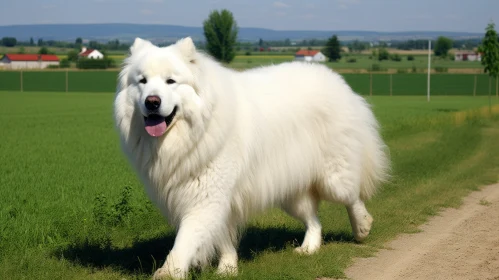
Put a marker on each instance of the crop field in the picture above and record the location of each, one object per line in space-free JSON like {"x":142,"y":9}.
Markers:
{"x":72,"y":208}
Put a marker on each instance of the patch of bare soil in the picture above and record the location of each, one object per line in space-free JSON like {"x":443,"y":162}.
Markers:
{"x":457,"y":244}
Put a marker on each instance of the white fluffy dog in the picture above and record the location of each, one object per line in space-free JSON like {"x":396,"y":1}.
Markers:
{"x":214,"y":146}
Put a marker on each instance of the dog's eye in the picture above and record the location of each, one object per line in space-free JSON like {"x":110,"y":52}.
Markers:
{"x":170,"y":81}
{"x":143,"y":80}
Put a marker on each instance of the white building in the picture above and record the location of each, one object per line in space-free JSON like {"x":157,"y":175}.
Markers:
{"x":91,"y":53}
{"x":468,"y":56}
{"x":310,"y":55}
{"x":28,"y":61}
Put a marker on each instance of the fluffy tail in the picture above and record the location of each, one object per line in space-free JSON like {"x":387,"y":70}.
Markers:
{"x":376,"y":163}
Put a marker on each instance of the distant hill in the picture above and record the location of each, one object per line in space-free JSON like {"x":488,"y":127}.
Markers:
{"x":161,"y":33}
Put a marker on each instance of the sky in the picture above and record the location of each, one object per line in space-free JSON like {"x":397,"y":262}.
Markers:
{"x":369,"y":15}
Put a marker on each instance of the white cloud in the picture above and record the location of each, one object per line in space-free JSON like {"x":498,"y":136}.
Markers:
{"x":278,"y":4}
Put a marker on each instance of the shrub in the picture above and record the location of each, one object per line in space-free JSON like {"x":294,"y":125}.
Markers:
{"x":247,"y":53}
{"x":86,"y":63}
{"x":410,"y":57}
{"x":375,"y":68}
{"x":440,"y":69}
{"x":396,"y":57}
{"x":65,"y":63}
{"x":352,"y":60}
{"x":402,"y":71}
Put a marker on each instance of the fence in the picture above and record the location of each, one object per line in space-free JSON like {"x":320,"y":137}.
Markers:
{"x":366,"y":84}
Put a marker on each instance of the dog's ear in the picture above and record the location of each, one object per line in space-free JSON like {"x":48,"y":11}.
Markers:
{"x":187,"y":48}
{"x":139,"y":44}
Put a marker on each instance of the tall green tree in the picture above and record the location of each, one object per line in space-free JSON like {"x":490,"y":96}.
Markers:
{"x":332,"y":49}
{"x":490,"y":54}
{"x":78,"y":43}
{"x":220,"y":30}
{"x":442,"y":46}
{"x":490,"y":51}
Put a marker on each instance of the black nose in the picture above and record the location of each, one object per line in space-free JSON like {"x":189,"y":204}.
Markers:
{"x":153,"y":102}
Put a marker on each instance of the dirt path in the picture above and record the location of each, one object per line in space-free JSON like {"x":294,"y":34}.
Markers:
{"x":457,"y":244}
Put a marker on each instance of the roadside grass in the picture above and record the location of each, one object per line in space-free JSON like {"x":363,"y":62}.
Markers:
{"x":72,"y":208}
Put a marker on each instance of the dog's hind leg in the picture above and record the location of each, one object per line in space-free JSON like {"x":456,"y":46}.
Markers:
{"x":360,"y":219}
{"x":304,"y":207}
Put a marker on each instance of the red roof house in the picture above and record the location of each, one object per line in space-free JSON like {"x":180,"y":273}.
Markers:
{"x":306,"y":53}
{"x":32,"y":57}
{"x":91,"y":53}
{"x":310,"y":55}
{"x":21,"y":61}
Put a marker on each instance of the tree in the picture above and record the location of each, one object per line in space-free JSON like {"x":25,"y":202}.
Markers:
{"x":220,"y":31}
{"x":383,"y":54}
{"x":333,"y":49}
{"x":357,"y":46}
{"x":78,"y":43}
{"x":72,"y":56}
{"x":43,"y":50}
{"x":31,"y":41}
{"x":490,"y":54}
{"x":40,"y":42}
{"x":9,"y":41}
{"x":442,"y":46}
{"x":490,"y":51}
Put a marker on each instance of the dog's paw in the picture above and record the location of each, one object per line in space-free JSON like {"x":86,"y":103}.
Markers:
{"x":307,"y":250}
{"x":363,"y":228}
{"x":169,"y":274}
{"x":227,"y":270}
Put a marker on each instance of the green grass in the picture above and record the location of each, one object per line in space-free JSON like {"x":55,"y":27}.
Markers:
{"x":72,"y":208}
{"x":363,"y":61}
{"x":420,"y":62}
{"x":401,"y":84}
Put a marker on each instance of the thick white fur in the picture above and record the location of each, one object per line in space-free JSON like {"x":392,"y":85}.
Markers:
{"x":284,"y":136}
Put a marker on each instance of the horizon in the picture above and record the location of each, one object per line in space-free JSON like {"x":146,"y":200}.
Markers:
{"x":246,"y":27}
{"x":284,"y":15}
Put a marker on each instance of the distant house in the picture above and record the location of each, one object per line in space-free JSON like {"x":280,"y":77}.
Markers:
{"x":310,"y":55}
{"x":468,"y":56}
{"x":91,"y":53}
{"x":28,"y":61}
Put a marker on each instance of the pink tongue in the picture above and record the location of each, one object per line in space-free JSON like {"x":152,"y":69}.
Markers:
{"x":155,"y":125}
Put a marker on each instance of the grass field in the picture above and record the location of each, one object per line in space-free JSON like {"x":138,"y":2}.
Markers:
{"x":72,"y":208}
{"x":382,"y":83}
{"x":363,"y":62}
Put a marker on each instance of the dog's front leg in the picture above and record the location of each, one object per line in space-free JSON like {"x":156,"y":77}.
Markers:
{"x":195,"y":242}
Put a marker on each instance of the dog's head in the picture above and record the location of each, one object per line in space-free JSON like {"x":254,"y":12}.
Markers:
{"x":157,"y":89}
